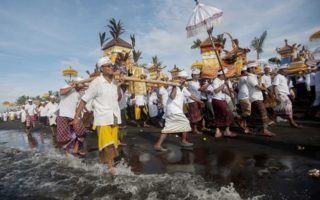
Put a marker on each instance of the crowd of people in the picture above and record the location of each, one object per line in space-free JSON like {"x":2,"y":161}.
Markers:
{"x":252,"y":102}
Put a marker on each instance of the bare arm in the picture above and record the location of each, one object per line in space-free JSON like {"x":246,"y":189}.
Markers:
{"x":64,"y":91}
{"x":194,"y":98}
{"x":79,"y":109}
{"x":173,"y":93}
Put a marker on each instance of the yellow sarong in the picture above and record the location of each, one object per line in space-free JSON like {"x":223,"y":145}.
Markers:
{"x":107,"y":135}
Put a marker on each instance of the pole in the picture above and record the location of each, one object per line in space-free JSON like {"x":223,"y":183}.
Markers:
{"x":220,"y":64}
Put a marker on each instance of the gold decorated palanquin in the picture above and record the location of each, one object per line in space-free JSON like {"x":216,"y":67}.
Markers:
{"x":210,"y":65}
{"x":116,"y":46}
{"x":288,"y":53}
{"x":138,"y":88}
{"x":294,"y":60}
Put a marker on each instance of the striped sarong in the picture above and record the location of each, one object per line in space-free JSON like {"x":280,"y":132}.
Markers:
{"x":65,"y":132}
{"x":195,"y":112}
{"x":30,"y":120}
{"x":223,"y":116}
{"x":259,"y":116}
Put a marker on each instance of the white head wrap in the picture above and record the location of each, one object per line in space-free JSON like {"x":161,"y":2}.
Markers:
{"x":104,"y":60}
{"x":196,"y":71}
{"x":267,"y":66}
{"x":29,"y":100}
{"x":244,"y":68}
{"x":52,"y":97}
{"x":254,"y":64}
{"x":183,"y":74}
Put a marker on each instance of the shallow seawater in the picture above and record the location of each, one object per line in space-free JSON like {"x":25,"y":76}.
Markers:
{"x":32,"y":168}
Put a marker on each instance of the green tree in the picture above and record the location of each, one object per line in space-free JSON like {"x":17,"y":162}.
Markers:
{"x":196,"y":44}
{"x":116,"y":28}
{"x":257,"y":43}
{"x":156,"y":62}
{"x":22,"y":100}
{"x":135,"y":53}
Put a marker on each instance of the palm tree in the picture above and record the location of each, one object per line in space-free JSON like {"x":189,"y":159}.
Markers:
{"x":116,"y":28}
{"x":257,"y":43}
{"x":133,"y":40}
{"x":136,"y":54}
{"x":196,"y":44}
{"x":156,"y":62}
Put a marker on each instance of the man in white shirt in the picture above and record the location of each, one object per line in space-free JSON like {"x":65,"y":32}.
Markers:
{"x":206,"y":96}
{"x":105,"y":92}
{"x":140,"y":105}
{"x":223,"y":116}
{"x":70,"y":136}
{"x":281,"y":91}
{"x":194,"y":107}
{"x":313,"y":71}
{"x":176,"y":121}
{"x":316,"y":102}
{"x":123,"y":104}
{"x":52,"y":108}
{"x":42,"y":113}
{"x":30,"y":109}
{"x":163,"y":98}
{"x":23,"y":115}
{"x":243,"y":98}
{"x":259,"y":117}
{"x":153,"y":109}
{"x":266,"y":81}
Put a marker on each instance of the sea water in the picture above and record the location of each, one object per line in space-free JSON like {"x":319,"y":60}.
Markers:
{"x":41,"y":171}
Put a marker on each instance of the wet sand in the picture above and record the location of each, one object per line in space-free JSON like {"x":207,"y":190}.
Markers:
{"x":255,"y":166}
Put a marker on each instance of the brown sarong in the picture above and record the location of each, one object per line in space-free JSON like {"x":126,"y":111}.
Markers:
{"x":223,"y":117}
{"x":245,"y":107}
{"x":195,"y":112}
{"x":259,"y":116}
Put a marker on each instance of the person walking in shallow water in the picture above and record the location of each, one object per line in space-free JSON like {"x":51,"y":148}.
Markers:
{"x":176,"y":121}
{"x":105,"y":93}
{"x":30,"y":109}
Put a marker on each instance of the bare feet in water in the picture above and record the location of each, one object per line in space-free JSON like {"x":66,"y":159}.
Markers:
{"x":113,"y":171}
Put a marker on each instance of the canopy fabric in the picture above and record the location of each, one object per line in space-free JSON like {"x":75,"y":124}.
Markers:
{"x":203,"y":17}
{"x":315,"y":36}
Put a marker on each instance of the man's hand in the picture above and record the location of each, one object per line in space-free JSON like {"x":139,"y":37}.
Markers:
{"x":202,"y":104}
{"x":75,"y":122}
{"x":120,"y":82}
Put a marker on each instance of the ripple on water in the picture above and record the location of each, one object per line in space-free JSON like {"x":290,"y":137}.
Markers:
{"x":50,"y":174}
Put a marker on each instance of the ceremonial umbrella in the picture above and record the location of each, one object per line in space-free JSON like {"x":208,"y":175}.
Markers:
{"x":205,"y":18}
{"x":69,"y":71}
{"x":315,"y":36}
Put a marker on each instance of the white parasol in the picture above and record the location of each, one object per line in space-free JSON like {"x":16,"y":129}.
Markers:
{"x":203,"y":17}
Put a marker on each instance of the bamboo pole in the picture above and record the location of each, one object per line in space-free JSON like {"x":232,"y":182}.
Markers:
{"x":220,"y":64}
{"x":126,"y":78}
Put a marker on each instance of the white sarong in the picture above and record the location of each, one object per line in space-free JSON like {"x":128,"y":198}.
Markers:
{"x":176,"y":123}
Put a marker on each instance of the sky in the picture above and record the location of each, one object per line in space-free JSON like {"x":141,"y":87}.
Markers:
{"x":39,"y":38}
